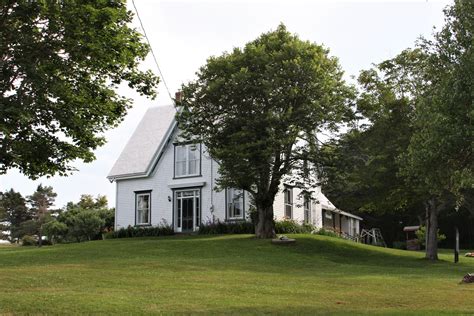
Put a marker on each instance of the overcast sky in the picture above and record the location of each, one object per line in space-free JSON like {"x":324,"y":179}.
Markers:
{"x":184,"y":34}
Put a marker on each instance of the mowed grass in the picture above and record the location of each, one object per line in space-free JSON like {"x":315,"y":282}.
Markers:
{"x":231,"y":274}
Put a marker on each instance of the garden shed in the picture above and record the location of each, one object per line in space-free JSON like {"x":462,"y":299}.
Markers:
{"x":412,"y":241}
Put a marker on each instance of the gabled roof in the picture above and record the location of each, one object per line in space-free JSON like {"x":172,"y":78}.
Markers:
{"x":146,"y":144}
{"x":324,"y":201}
{"x":411,"y":228}
{"x":327,"y":205}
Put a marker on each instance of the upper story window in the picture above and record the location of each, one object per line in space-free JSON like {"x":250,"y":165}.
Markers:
{"x":143,"y":208}
{"x":187,"y":160}
{"x":288,"y":194}
{"x":235,"y":204}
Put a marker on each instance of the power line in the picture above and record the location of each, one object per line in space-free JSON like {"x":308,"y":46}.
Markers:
{"x":152,"y":52}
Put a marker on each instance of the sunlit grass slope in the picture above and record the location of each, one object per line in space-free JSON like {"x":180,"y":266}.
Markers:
{"x":229,"y":274}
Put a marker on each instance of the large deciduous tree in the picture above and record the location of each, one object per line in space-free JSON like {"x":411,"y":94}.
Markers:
{"x":361,"y":168}
{"x":439,"y":160}
{"x":258,"y":111}
{"x":428,"y":155}
{"x":61,"y":63}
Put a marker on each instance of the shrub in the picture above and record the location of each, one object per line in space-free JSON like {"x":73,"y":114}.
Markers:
{"x":253,"y":214}
{"x":108,"y":216}
{"x":85,"y":225}
{"x":421,"y":235}
{"x":241,"y":227}
{"x":108,"y":235}
{"x":289,"y":226}
{"x":46,"y":242}
{"x":152,"y":231}
{"x":244,"y":227}
{"x":29,"y":227}
{"x":326,"y":232}
{"x":400,"y":245}
{"x":28,"y":240}
{"x":54,"y":230}
{"x":308,"y":228}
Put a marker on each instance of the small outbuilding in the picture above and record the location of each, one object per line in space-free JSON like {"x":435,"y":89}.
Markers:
{"x":412,"y":241}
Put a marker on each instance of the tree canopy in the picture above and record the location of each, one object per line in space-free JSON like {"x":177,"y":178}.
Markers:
{"x":33,"y":217}
{"x":258,"y":109}
{"x":417,"y":146}
{"x":439,"y":161}
{"x":61,"y":64}
{"x":440,"y":155}
{"x":361,"y":169}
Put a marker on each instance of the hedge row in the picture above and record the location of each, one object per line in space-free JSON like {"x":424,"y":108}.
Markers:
{"x":243,"y":227}
{"x":152,"y":231}
{"x":219,"y":228}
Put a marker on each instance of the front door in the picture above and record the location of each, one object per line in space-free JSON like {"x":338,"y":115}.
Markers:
{"x":187,"y":210}
{"x":188,"y":214}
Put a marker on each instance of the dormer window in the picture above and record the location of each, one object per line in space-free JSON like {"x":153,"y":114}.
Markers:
{"x":187,"y":160}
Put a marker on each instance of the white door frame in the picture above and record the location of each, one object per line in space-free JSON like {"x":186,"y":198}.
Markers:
{"x":179,"y":196}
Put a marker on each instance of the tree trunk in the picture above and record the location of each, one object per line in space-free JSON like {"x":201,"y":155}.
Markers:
{"x":265,"y":227}
{"x":431,"y":230}
{"x":40,"y":239}
{"x":420,"y":219}
{"x":40,"y":230}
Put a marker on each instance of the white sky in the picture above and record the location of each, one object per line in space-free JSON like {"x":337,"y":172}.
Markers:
{"x":184,"y":34}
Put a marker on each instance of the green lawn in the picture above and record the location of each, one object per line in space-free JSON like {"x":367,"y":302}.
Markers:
{"x":229,"y":274}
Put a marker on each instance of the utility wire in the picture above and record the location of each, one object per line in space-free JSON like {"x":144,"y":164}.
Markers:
{"x":152,"y":52}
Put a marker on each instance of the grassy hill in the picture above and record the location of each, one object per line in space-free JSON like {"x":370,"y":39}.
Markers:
{"x":229,"y":274}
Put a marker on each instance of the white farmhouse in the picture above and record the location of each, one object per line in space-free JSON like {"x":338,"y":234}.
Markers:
{"x":161,"y":182}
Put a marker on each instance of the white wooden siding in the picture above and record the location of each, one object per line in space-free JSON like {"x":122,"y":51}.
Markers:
{"x":213,"y":204}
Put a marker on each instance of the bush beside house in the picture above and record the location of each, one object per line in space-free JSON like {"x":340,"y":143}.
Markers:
{"x":151,"y":231}
{"x":287,"y":226}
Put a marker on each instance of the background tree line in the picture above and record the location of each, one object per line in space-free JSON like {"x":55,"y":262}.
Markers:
{"x":408,"y":158}
{"x":33,"y":221}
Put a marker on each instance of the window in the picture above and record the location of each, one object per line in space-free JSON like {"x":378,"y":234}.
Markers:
{"x":142,"y":208}
{"x":288,"y":193}
{"x":187,"y":160}
{"x":354,"y":227}
{"x":307,"y":209}
{"x":235,"y":204}
{"x":328,"y":220}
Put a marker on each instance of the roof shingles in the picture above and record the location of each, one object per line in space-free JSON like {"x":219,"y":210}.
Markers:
{"x":142,"y":147}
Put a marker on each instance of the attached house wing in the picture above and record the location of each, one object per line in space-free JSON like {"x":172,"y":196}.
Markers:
{"x":146,"y":144}
{"x":327,"y":205}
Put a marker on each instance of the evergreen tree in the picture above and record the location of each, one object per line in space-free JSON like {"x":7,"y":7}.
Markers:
{"x":14,"y":212}
{"x":41,"y":201}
